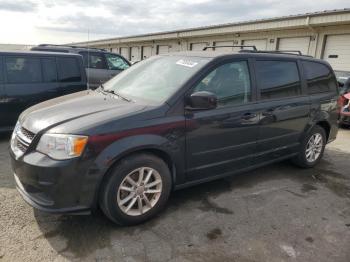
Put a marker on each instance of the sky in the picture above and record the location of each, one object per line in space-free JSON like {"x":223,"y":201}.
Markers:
{"x":66,"y":21}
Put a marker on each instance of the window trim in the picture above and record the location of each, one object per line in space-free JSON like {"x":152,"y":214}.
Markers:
{"x":206,"y":71}
{"x":258,"y":93}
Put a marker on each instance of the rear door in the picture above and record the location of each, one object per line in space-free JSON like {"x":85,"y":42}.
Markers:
{"x":97,"y":71}
{"x":284,"y":108}
{"x":223,"y":140}
{"x":115,"y":64}
{"x":28,"y":82}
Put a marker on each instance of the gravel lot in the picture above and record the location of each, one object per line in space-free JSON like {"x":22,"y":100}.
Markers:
{"x":276,"y":213}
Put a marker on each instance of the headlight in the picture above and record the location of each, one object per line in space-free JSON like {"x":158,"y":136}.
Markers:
{"x":59,"y":146}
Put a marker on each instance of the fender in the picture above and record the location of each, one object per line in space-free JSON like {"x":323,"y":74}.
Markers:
{"x":173,"y":148}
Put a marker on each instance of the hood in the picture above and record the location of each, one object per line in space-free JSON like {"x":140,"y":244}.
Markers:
{"x":67,"y":108}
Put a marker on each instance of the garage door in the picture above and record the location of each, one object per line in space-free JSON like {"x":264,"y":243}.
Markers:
{"x":198,"y":46}
{"x":337,"y":51}
{"x":124,"y":51}
{"x":260,"y":44}
{"x":135,"y":54}
{"x":295,"y":43}
{"x":224,"y":43}
{"x":146,"y":52}
{"x":115,"y":50}
{"x":163,"y":49}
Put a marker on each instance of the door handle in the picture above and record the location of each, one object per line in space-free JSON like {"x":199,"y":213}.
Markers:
{"x":248,"y":116}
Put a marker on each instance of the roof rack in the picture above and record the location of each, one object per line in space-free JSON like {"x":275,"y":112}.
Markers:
{"x":251,"y":46}
{"x":71,"y":46}
{"x":286,"y":52}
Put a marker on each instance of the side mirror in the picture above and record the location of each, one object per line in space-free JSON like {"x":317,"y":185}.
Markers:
{"x":202,"y":100}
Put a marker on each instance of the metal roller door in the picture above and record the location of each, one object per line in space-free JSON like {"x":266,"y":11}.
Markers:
{"x":260,"y":44}
{"x":146,"y":52}
{"x":224,"y":43}
{"x":295,"y":43}
{"x":163,"y":49}
{"x":135,"y":54}
{"x":198,"y":46}
{"x":337,"y":51}
{"x":124,"y":51}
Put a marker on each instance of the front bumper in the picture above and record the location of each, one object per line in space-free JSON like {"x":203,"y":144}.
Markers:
{"x":54,"y":186}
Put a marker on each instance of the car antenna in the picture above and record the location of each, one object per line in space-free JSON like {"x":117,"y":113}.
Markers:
{"x":88,"y":59}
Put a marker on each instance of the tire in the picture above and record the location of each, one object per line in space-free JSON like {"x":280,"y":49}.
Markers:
{"x":303,"y":159}
{"x":120,"y":199}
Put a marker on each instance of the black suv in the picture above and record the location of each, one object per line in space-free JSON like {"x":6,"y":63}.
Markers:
{"x":100,"y":64}
{"x":28,"y":78}
{"x":169,"y":122}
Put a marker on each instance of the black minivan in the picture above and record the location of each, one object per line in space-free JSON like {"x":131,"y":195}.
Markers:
{"x":27,"y":78}
{"x":169,"y":122}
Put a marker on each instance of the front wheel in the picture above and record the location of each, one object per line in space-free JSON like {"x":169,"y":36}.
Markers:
{"x":312,"y":148}
{"x":136,"y":190}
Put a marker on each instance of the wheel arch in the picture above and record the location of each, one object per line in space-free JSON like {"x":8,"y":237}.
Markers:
{"x":119,"y":150}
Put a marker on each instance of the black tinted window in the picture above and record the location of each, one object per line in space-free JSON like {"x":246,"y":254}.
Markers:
{"x":319,"y":78}
{"x":23,"y":69}
{"x":93,"y":60}
{"x":229,"y":82}
{"x":49,"y":69}
{"x":68,"y":70}
{"x":278,"y":79}
{"x":1,"y":71}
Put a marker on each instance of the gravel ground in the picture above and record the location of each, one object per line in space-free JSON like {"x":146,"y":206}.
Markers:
{"x":276,"y":213}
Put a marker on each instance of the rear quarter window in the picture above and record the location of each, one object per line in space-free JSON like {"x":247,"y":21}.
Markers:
{"x":68,"y":69}
{"x":319,"y":78}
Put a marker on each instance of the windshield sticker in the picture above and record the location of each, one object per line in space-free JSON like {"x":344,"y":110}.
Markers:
{"x":186,"y":63}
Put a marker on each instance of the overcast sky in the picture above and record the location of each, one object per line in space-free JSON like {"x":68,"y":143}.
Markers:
{"x":64,"y":21}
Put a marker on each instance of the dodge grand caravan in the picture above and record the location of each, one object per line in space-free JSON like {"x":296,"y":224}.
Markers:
{"x":169,"y":122}
{"x":28,"y":78}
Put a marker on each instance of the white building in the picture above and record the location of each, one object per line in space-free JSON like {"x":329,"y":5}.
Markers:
{"x":322,"y":34}
{"x":15,"y":47}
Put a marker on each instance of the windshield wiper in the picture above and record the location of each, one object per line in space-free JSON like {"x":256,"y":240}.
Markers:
{"x":114,"y":93}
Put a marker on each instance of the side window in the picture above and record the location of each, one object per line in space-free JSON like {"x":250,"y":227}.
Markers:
{"x":93,"y":60}
{"x":229,"y":82}
{"x":49,"y":69}
{"x":319,"y":78}
{"x":116,"y":62}
{"x":68,"y":69}
{"x":23,"y":70}
{"x":278,"y":79}
{"x":1,"y":71}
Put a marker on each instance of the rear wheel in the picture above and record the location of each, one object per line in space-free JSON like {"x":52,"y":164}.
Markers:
{"x":312,"y":148}
{"x":136,"y":190}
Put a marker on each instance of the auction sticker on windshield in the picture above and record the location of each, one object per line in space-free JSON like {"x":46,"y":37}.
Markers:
{"x":187,"y":63}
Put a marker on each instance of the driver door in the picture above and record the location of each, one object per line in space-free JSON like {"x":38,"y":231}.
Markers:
{"x":223,"y":140}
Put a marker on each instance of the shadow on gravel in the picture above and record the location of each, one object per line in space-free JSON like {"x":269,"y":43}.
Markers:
{"x":79,"y":236}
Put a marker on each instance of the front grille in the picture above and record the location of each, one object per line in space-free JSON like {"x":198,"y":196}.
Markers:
{"x":21,"y":140}
{"x":21,"y":146}
{"x":28,"y":134}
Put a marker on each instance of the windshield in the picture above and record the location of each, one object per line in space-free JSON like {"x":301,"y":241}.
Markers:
{"x":155,"y":79}
{"x":342,"y":76}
